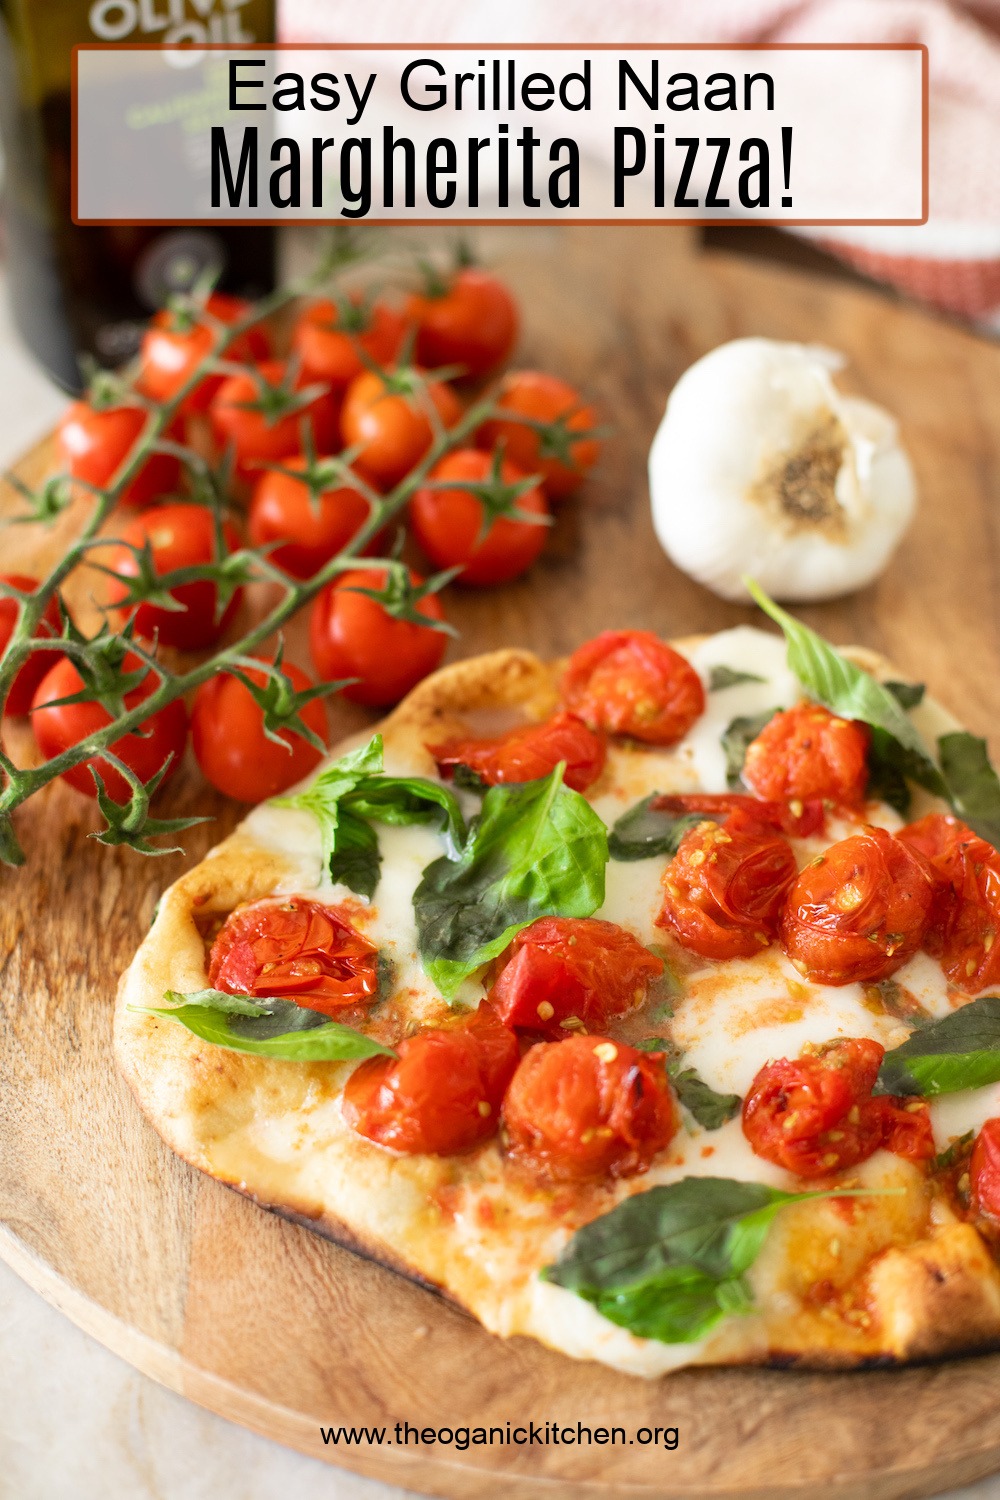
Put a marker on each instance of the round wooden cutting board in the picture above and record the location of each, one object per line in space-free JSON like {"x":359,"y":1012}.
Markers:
{"x":273,"y":1327}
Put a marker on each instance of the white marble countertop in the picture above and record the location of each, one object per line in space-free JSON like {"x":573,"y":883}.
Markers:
{"x":76,"y":1421}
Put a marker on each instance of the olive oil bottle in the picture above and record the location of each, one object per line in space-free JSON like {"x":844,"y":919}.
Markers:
{"x":80,"y":291}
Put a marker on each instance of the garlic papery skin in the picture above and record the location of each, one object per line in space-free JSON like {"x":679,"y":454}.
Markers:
{"x":761,"y":467}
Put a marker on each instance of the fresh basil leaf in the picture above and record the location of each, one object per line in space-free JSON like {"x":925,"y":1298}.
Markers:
{"x":959,"y":1052}
{"x":906,"y":694}
{"x":536,"y":849}
{"x":953,"y":1154}
{"x":727,"y":677}
{"x":710,"y":1109}
{"x":402,"y":800}
{"x":973,"y":785}
{"x":887,"y":770}
{"x":645,"y":830}
{"x":669,"y":1263}
{"x":266,"y":1027}
{"x":356,"y":859}
{"x":736,"y":741}
{"x":468,"y":780}
{"x":323,"y":796}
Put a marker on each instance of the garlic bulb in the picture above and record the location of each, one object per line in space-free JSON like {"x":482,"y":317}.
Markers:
{"x":761,"y":466}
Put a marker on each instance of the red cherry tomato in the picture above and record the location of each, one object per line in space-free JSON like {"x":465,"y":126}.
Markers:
{"x":310,"y":531}
{"x":93,"y":444}
{"x":798,"y":821}
{"x":175,"y":344}
{"x":58,"y":727}
{"x":568,"y":969}
{"x":295,"y":950}
{"x":588,"y":1108}
{"x":562,"y":460}
{"x":472,"y":322}
{"x":858,"y":911}
{"x":22,"y":689}
{"x":984,"y":1170}
{"x":227,"y":733}
{"x":351,"y":635}
{"x":448,"y":524}
{"x":528,"y":752}
{"x":180,"y":536}
{"x":251,"y":413}
{"x":391,"y":427}
{"x":815,"y":1115}
{"x":442,"y":1093}
{"x":631,"y":682}
{"x":964,"y":921}
{"x":808,"y":752}
{"x":724,"y":888}
{"x":334,"y":343}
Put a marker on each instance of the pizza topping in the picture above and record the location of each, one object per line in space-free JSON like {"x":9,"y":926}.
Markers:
{"x":564,"y":973}
{"x":807,"y":752}
{"x":528,"y":752}
{"x":442,"y":1093}
{"x":984,"y":1170}
{"x":280,"y":1029}
{"x":959,"y":1052}
{"x":965,"y":915}
{"x":630,"y":682}
{"x":587,"y":1108}
{"x":658,"y":823}
{"x":723,"y":891}
{"x":709,"y":1108}
{"x":296,"y":949}
{"x":815,"y":1114}
{"x":858,"y":911}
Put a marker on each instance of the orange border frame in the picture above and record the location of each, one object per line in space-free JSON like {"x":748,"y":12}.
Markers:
{"x":293,"y":218}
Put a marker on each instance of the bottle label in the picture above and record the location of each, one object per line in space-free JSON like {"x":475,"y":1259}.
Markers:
{"x":169,"y":21}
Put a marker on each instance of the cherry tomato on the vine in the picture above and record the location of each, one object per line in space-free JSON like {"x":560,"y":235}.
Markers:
{"x":576,"y":970}
{"x":23,"y":687}
{"x":295,"y":950}
{"x":57,"y":727}
{"x":479,"y":529}
{"x":179,"y":536}
{"x":353,"y":635}
{"x":588,"y":1108}
{"x":264,"y":412}
{"x":387,"y":418}
{"x":631,"y":682}
{"x":858,"y":911}
{"x":442,"y":1093}
{"x":545,"y":443}
{"x":311,"y":527}
{"x":984,"y":1170}
{"x":178,"y":341}
{"x":809,"y":752}
{"x":964,"y":922}
{"x":528,"y":752}
{"x":468,"y":319}
{"x":94,"y":442}
{"x":335,"y":342}
{"x":230,"y":746}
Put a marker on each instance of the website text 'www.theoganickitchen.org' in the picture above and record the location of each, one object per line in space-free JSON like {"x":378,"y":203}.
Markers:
{"x":509,"y":1435}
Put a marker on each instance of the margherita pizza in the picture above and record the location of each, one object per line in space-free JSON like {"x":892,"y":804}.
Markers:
{"x":641,"y":1004}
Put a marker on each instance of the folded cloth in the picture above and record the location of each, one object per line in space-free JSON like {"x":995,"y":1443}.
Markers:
{"x":951,"y":262}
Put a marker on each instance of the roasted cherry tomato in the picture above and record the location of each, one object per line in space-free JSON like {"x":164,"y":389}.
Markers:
{"x":177,"y":341}
{"x":179,"y":536}
{"x":295,"y":950}
{"x":984,"y":1170}
{"x":386,"y":417}
{"x":262,"y":415}
{"x":858,"y":911}
{"x":964,"y":921}
{"x":311,"y":529}
{"x":478,"y":529}
{"x":808,"y":752}
{"x":57,"y":727}
{"x":565,"y":973}
{"x":528,"y":752}
{"x":230,"y":746}
{"x":631,"y":682}
{"x":353,"y":635}
{"x":588,"y":1108}
{"x":814,"y":1115}
{"x":335,"y":343}
{"x":94,"y":443}
{"x":543,"y":441}
{"x":442,"y":1093}
{"x":724,"y":889}
{"x":22,"y":689}
{"x":798,"y":819}
{"x":468,"y":320}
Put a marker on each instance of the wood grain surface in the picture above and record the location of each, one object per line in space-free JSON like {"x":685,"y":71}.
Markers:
{"x":273,"y":1327}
